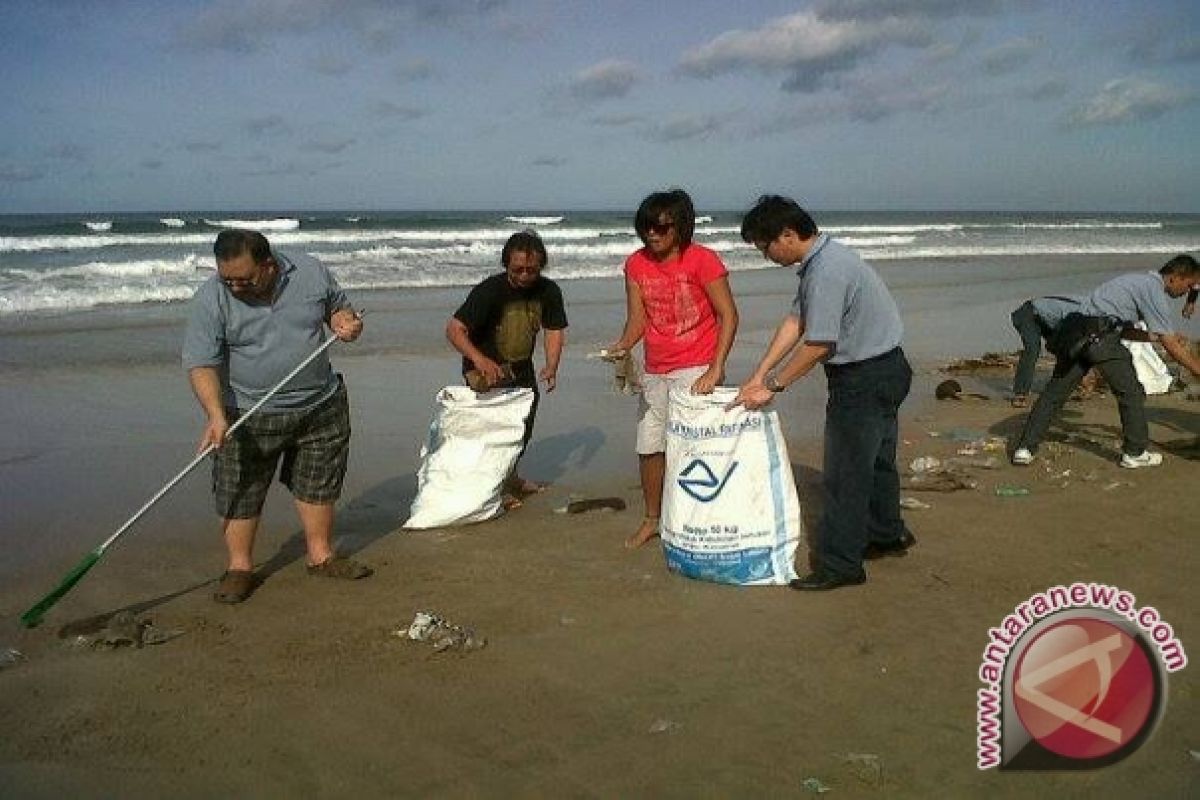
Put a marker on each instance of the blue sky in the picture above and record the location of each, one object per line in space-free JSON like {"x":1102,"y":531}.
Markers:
{"x":1078,"y":105}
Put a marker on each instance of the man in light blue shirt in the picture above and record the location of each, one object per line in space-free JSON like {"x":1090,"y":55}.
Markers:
{"x":843,"y":317}
{"x":1092,"y":338}
{"x":250,"y":324}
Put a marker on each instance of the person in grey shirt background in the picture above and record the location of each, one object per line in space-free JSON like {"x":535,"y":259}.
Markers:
{"x":1035,"y":320}
{"x":1093,"y":339}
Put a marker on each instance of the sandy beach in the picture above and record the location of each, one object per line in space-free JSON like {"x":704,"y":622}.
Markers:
{"x":604,"y":674}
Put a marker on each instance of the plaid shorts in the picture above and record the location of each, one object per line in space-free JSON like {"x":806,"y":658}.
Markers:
{"x":314,"y":444}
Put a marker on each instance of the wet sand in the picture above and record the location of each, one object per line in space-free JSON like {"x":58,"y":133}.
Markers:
{"x":604,"y":674}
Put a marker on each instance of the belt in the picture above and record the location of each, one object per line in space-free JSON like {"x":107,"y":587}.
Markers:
{"x":895,"y":351}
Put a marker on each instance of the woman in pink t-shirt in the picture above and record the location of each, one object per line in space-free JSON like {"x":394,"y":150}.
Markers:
{"x":679,"y":305}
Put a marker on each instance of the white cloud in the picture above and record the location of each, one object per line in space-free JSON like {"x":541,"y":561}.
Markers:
{"x":806,"y":47}
{"x":1129,"y":100}
{"x":682,"y":128}
{"x":604,"y":81}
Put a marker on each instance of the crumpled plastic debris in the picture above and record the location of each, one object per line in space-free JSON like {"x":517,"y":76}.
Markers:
{"x":10,"y":657}
{"x":442,"y":634}
{"x":923,"y":464}
{"x":125,"y":630}
{"x":815,"y":786}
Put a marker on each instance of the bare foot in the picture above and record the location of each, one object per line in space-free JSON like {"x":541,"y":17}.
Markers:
{"x":510,"y":502}
{"x":647,"y":531}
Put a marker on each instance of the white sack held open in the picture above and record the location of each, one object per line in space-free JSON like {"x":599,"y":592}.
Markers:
{"x":474,"y":441}
{"x":730,"y":510}
{"x":1152,"y":372}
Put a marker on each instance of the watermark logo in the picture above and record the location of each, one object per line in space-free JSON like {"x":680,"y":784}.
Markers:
{"x":699,"y":480}
{"x":1074,"y":678}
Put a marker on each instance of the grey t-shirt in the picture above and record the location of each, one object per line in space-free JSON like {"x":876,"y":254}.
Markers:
{"x":255,"y":345}
{"x":844,"y":302}
{"x":1130,"y":297}
{"x":1051,"y":310}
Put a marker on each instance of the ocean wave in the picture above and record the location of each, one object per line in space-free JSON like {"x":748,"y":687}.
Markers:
{"x":187,"y":265}
{"x":1070,"y":226}
{"x":834,"y":230}
{"x":1026,"y":249}
{"x":278,"y":224}
{"x":173,"y":222}
{"x":535,"y":220}
{"x":52,"y":298}
{"x":99,"y":227}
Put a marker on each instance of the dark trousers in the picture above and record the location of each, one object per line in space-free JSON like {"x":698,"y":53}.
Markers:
{"x":862,"y":487}
{"x":1115,"y":363}
{"x":1032,"y":331}
{"x":526,"y":377}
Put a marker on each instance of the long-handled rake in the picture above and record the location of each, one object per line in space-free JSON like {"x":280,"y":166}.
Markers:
{"x":34,"y":615}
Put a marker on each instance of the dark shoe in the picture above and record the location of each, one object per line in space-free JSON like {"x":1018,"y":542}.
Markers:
{"x":824,"y":581}
{"x":236,"y":585}
{"x":896,"y":549}
{"x":340,"y":567}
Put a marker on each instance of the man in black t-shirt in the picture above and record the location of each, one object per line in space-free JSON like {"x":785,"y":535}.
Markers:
{"x":496,"y":328}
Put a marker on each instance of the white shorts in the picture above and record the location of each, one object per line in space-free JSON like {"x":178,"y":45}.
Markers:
{"x":652,"y":408}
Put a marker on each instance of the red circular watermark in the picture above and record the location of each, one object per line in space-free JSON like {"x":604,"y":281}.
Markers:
{"x":1084,"y":688}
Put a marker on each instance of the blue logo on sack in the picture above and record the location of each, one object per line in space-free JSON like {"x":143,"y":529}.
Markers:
{"x":706,"y":486}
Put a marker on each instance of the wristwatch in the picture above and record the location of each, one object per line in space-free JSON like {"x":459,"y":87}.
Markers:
{"x":772,"y":384}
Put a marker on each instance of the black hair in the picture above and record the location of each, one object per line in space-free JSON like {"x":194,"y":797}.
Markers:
{"x":234,"y":242}
{"x":1180,"y":265}
{"x":526,"y":241}
{"x":675,"y":204}
{"x":772,"y":214}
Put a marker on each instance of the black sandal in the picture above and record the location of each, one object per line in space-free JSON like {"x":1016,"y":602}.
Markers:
{"x":236,"y":585}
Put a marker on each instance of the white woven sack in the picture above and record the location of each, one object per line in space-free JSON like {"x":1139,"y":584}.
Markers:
{"x":474,"y":441}
{"x":730,"y":509}
{"x":1152,"y":371}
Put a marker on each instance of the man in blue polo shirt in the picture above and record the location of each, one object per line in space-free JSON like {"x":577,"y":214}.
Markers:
{"x":263,"y":313}
{"x":843,"y":317}
{"x":1092,"y":338}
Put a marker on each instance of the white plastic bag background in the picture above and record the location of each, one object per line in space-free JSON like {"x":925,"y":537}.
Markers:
{"x":474,"y":441}
{"x":730,"y":509}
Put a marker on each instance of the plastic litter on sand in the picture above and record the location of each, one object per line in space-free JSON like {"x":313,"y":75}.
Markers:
{"x":442,"y":634}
